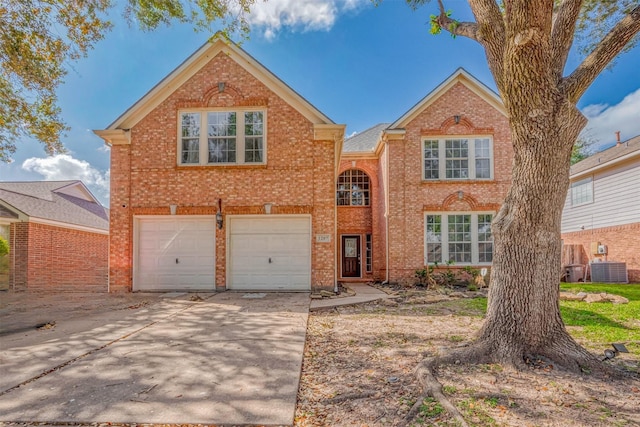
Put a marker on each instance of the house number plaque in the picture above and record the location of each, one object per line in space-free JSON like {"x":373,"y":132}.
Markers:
{"x":323,"y":238}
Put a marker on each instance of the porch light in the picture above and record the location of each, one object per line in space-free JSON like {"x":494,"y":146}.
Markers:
{"x":456,"y":119}
{"x":460,"y":195}
{"x":219,"y":221}
{"x":267,"y":208}
{"x":173,"y":209}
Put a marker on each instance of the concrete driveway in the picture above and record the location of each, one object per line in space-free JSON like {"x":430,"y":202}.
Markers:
{"x":230,"y":358}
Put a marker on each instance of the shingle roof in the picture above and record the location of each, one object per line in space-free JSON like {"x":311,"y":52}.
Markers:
{"x":630,"y":146}
{"x":40,"y":199}
{"x":364,"y":141}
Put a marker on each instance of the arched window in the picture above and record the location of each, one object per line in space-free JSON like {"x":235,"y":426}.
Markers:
{"x":353,"y":188}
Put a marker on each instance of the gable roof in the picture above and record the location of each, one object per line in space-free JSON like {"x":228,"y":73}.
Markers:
{"x":607,"y":158}
{"x":62,"y":202}
{"x":194,"y":63}
{"x":365,"y":141}
{"x":459,"y":76}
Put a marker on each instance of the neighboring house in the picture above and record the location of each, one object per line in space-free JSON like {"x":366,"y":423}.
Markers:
{"x":58,"y":235}
{"x":602,"y":210}
{"x":223,"y":177}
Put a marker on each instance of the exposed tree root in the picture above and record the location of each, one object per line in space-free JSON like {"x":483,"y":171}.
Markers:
{"x":563,"y":354}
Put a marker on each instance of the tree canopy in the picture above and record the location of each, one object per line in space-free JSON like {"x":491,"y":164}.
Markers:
{"x":40,"y":39}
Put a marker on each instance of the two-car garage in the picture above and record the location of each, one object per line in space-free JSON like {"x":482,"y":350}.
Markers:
{"x":178,"y":252}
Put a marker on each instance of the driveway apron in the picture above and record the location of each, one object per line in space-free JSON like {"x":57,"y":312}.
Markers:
{"x":233,"y":358}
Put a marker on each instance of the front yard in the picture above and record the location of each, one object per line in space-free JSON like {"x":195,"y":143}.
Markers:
{"x":359,"y":361}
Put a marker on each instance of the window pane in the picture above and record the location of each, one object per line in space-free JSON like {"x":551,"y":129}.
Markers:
{"x":190,"y":135}
{"x":221,"y":132}
{"x":222,"y":150}
{"x":582,"y":192}
{"x":431,"y":162}
{"x":457,"y":158}
{"x":459,"y":238}
{"x":433,"y":231}
{"x":483,"y":158}
{"x":353,"y":188}
{"x":485,"y":239}
{"x":254,"y":133}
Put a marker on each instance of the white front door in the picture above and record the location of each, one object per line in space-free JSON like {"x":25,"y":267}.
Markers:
{"x":175,"y":253}
{"x":269,"y":253}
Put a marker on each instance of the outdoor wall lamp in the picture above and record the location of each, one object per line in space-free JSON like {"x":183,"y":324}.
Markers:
{"x":219,"y":221}
{"x":617,"y":348}
{"x":173,"y":209}
{"x":460,"y":195}
{"x":267,"y":208}
{"x":456,"y":119}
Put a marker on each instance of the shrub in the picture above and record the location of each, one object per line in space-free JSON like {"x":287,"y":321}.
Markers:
{"x":4,"y":246}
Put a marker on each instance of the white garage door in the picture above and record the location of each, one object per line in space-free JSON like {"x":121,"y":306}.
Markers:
{"x":175,"y":253}
{"x":270,"y":253}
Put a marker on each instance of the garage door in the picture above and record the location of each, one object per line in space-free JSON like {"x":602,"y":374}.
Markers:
{"x":175,"y":253}
{"x":272,"y":253}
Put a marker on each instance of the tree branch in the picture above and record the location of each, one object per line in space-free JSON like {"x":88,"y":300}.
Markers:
{"x":491,"y":35}
{"x":465,"y":29}
{"x":610,"y":46}
{"x":562,"y":33}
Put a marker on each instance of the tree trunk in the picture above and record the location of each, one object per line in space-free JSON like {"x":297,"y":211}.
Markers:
{"x":523,"y":316}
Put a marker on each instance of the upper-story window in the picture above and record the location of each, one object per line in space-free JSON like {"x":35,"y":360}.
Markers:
{"x":221,"y":137}
{"x":457,"y":158}
{"x":353,"y":188}
{"x":582,"y":192}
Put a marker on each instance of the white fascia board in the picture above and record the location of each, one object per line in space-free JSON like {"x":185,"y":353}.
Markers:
{"x":68,"y":225}
{"x":462,"y":76}
{"x":610,"y":164}
{"x":198,"y":60}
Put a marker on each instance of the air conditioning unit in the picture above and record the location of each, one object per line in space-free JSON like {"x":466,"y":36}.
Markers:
{"x":602,"y":249}
{"x":609,"y":272}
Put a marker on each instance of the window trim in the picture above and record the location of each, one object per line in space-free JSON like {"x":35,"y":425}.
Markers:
{"x":240,"y":136}
{"x":589,"y":182}
{"x":368,"y":252}
{"x":366,"y":192}
{"x":444,"y":236}
{"x":471,"y":158}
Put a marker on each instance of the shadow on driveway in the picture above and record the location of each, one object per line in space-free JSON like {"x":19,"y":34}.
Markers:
{"x":231,"y":358}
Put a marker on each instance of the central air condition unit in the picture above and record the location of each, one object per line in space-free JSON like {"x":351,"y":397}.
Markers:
{"x":602,"y":249}
{"x":609,"y":272}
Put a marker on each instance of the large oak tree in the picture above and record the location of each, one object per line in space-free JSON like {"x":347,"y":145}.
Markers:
{"x":527,"y":43}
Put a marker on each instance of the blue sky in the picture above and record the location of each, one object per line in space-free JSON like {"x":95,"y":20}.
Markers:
{"x":357,"y":63}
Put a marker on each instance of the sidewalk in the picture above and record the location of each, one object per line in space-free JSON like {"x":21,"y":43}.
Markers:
{"x":364,"y":293}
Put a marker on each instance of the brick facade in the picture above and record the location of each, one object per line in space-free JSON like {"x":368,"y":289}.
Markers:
{"x":47,"y":258}
{"x":410,"y":197}
{"x":297,"y":178}
{"x":628,"y":253}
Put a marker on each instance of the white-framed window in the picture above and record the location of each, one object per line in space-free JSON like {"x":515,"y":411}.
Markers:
{"x":457,"y":158}
{"x":582,"y":192}
{"x":221,"y":137}
{"x":353,"y":188}
{"x":463,"y":238}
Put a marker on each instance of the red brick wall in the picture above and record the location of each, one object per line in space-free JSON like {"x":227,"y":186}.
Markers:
{"x":297,"y":178}
{"x":410,"y":197}
{"x":360,"y":220}
{"x":623,"y":244}
{"x":49,"y":258}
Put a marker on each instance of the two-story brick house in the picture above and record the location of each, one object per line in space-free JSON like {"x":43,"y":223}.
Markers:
{"x":223,"y":177}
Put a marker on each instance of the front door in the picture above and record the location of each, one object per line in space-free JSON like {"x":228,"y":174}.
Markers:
{"x":350,"y":256}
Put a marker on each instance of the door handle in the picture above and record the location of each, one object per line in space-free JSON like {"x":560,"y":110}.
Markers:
{"x":177,"y":261}
{"x":270,"y":261}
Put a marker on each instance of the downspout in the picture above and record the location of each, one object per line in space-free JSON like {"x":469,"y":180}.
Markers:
{"x":386,"y":209}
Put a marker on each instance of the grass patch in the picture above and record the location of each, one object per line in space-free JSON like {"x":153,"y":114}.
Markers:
{"x":603,"y":323}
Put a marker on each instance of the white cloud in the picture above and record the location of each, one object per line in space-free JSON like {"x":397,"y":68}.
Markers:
{"x":299,"y":15}
{"x":65,"y":167}
{"x":606,"y":120}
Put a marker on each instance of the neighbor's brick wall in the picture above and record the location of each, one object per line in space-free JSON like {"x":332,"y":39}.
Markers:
{"x":360,"y":220}
{"x":49,"y":258}
{"x":410,"y":197}
{"x":623,"y":244}
{"x":298,"y":176}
